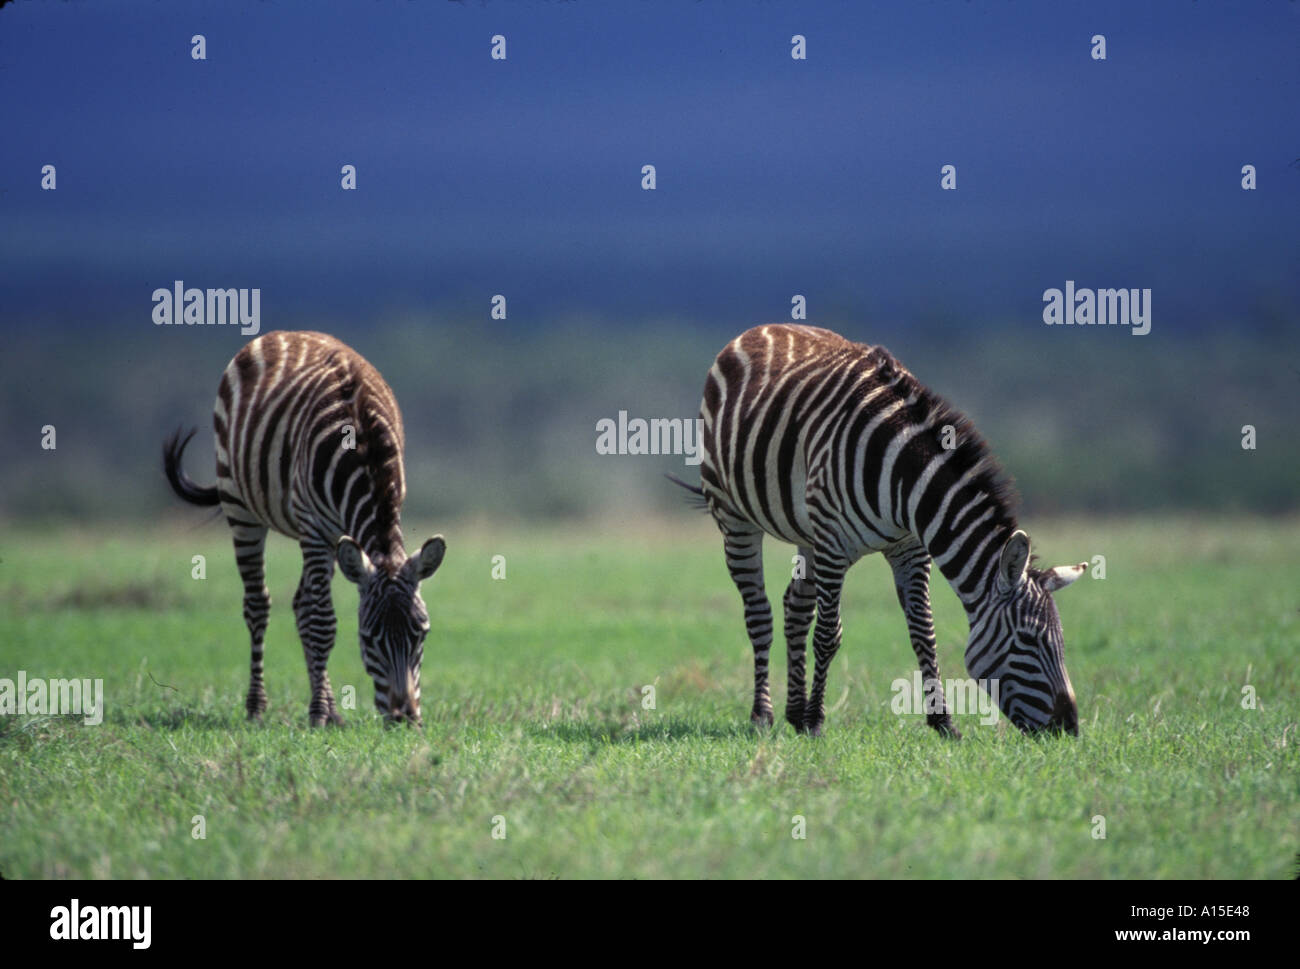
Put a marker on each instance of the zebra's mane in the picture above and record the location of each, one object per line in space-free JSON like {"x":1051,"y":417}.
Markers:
{"x":972,"y":453}
{"x":380,"y":454}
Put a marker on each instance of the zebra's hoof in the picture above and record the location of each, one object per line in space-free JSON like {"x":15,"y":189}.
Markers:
{"x":335,"y":720}
{"x":813,"y":729}
{"x":762,"y":719}
{"x":946,"y":728}
{"x":794,"y":718}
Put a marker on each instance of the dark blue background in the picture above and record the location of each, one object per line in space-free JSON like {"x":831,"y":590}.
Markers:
{"x":775,"y":176}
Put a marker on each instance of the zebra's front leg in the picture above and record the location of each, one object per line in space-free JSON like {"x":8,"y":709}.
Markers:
{"x":800,"y":605}
{"x":911,"y":565}
{"x":314,"y":610}
{"x":250,"y":548}
{"x":744,"y":551}
{"x":826,"y":638}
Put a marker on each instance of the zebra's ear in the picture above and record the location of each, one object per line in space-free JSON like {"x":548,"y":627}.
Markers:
{"x":430,"y":557}
{"x":1013,"y":561}
{"x":354,"y":563}
{"x":1062,"y":575}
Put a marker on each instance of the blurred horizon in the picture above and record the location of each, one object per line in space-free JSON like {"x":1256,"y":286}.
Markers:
{"x":508,"y":430}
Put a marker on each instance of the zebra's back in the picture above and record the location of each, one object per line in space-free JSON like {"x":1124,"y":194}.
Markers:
{"x":304,"y":427}
{"x":778,"y":402}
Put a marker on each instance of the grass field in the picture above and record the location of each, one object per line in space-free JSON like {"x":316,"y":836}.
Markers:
{"x":533,"y":714}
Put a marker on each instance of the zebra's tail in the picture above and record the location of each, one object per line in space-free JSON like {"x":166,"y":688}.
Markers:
{"x":697,"y":497}
{"x":173,"y":448}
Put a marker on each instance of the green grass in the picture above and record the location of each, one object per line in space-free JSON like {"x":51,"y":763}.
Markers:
{"x":532,"y":707}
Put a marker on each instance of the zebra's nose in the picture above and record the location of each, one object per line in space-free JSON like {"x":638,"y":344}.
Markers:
{"x":404,"y":710}
{"x":403,"y":699}
{"x":1065,"y":715}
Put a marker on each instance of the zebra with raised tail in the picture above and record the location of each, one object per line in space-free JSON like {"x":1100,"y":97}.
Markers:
{"x":309,"y":442}
{"x":836,"y":448}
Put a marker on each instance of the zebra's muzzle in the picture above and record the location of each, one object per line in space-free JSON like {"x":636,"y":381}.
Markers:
{"x":1064,"y":718}
{"x":403,"y":713}
{"x":1065,"y":715}
{"x":403,"y":704}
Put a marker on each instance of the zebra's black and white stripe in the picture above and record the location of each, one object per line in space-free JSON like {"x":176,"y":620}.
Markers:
{"x":309,"y":443}
{"x":835,"y":447}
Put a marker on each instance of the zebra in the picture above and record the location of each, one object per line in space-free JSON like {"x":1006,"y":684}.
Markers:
{"x":836,"y":448}
{"x":309,"y":443}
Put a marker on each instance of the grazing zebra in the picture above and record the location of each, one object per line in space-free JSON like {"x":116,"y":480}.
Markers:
{"x":836,"y":448}
{"x":309,"y":443}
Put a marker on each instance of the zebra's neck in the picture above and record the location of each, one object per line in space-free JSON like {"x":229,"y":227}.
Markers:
{"x":381,"y":542}
{"x":963,"y":524}
{"x":370,"y":506}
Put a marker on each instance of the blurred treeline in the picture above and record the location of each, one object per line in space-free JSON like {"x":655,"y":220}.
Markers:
{"x":501,"y":416}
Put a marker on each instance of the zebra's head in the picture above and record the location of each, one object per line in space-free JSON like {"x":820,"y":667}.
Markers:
{"x":393,"y":622}
{"x":1019,"y":643}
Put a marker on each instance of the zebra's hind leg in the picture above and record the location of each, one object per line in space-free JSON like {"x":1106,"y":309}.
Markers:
{"x":744,"y":551}
{"x":314,"y":610}
{"x":250,"y":548}
{"x":826,"y":636}
{"x":911,"y":565}
{"x":800,"y":605}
